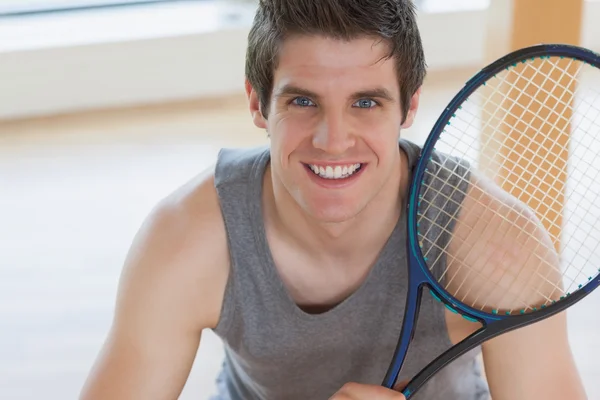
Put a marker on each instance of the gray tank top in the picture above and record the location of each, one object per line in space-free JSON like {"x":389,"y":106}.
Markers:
{"x":274,"y":350}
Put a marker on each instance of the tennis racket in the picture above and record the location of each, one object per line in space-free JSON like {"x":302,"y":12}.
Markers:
{"x":504,"y":208}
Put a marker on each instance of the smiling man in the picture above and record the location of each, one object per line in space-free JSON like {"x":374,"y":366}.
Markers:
{"x":295,"y":254}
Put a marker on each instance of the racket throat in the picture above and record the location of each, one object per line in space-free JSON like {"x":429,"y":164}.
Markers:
{"x":470,"y":342}
{"x":409,"y":324}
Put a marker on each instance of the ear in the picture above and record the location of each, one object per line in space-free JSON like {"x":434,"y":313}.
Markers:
{"x":254,"y":105}
{"x":412,"y":111}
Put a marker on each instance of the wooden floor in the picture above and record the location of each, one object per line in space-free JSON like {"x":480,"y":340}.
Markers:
{"x":74,"y":190}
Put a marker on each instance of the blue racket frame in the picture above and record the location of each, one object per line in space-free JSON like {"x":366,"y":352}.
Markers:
{"x":419,"y":275}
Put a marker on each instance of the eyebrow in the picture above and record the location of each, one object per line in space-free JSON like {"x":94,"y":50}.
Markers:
{"x":292,"y":90}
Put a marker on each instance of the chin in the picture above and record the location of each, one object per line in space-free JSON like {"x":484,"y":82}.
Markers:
{"x":333,"y":213}
{"x":335,"y":206}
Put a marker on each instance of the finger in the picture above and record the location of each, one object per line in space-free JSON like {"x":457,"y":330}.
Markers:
{"x":357,"y":391}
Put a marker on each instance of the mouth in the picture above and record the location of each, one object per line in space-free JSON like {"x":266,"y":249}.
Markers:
{"x":335,"y":172}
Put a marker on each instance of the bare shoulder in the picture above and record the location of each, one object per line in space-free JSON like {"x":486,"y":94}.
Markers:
{"x":501,"y":256}
{"x":170,"y":290}
{"x":179,"y":255}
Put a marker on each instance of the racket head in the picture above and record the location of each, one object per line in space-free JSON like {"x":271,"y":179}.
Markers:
{"x":531,"y":58}
{"x":583,"y":142}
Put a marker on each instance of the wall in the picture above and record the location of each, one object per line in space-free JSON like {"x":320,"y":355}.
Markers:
{"x":70,"y":62}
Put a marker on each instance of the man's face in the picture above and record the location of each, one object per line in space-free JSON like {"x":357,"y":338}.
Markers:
{"x":334,"y":121}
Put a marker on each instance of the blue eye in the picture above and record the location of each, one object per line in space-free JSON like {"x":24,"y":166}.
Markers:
{"x":302,"y":102}
{"x":365,"y":103}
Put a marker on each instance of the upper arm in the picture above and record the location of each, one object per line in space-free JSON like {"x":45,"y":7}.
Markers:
{"x":501,"y":257}
{"x":533,"y":362}
{"x":170,"y":290}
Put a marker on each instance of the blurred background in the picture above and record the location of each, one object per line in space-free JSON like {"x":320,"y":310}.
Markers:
{"x":106,"y":106}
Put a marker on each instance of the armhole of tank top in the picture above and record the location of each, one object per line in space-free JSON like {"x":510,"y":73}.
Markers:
{"x":230,"y":294}
{"x":227,"y":311}
{"x":229,"y":303}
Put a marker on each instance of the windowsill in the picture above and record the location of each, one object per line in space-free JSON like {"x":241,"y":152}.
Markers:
{"x":74,"y":61}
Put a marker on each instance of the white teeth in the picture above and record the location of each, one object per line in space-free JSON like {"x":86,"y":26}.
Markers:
{"x":337,"y":172}
{"x":334,"y":172}
{"x":329,"y":172}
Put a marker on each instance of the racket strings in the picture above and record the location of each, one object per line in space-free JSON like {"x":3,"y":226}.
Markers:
{"x":526,"y":108}
{"x":443,"y":210}
{"x":431,"y":244}
{"x":538,"y":189}
{"x":505,"y":97}
{"x":443,"y":251}
{"x":524,"y":149}
{"x":546,"y":218}
{"x":588,"y":186}
{"x":531,"y":161}
{"x":555,"y":143}
{"x":529,"y":184}
{"x":488,"y":100}
{"x":522,"y":155}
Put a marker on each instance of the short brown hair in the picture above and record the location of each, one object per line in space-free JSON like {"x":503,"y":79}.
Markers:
{"x":390,"y":20}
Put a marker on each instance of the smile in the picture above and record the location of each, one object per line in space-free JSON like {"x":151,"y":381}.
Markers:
{"x":335,"y":171}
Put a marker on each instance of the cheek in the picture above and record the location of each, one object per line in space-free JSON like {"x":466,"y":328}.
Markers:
{"x":289,"y":133}
{"x":382,"y":141}
{"x":380,"y":132}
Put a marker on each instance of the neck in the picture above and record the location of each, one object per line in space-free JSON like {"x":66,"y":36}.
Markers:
{"x":360,"y":237}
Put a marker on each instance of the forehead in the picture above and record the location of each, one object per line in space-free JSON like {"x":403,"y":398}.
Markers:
{"x":322,"y":63}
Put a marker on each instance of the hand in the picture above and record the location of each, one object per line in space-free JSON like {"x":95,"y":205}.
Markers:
{"x":358,"y":391}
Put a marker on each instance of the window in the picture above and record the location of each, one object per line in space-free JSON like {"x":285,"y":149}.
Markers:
{"x":15,"y":7}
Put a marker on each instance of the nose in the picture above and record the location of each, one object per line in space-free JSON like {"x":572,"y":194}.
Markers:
{"x":334,"y":134}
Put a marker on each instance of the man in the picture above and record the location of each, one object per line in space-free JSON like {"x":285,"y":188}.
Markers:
{"x":295,"y":254}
